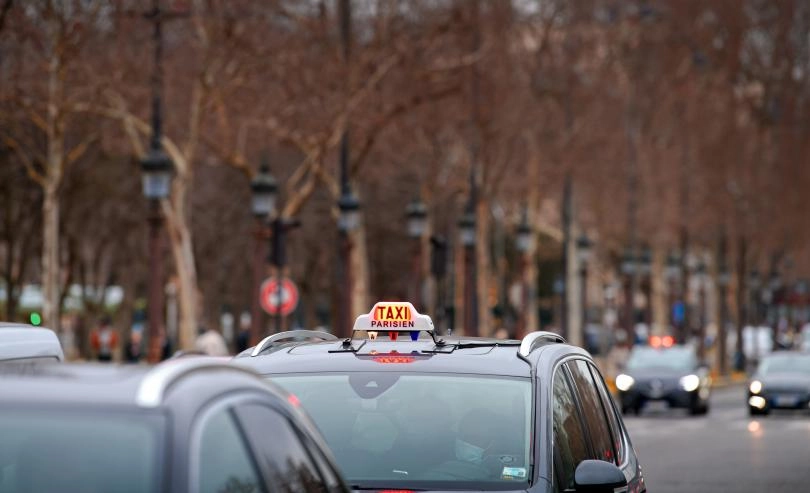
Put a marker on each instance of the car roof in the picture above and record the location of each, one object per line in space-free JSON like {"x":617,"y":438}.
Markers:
{"x":107,"y":384}
{"x":21,"y":341}
{"x":466,"y":355}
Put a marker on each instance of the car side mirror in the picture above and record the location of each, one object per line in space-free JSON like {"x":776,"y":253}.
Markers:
{"x":597,"y":476}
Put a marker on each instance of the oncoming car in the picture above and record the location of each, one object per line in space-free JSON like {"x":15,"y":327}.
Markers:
{"x":403,"y":409}
{"x":782,"y":380}
{"x":664,"y":373}
{"x":188,"y":425}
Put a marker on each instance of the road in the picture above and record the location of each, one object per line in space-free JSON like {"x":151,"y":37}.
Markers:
{"x":724,"y":451}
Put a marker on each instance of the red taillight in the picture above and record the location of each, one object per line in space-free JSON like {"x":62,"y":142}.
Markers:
{"x":655,"y":341}
{"x":392,"y":360}
{"x":668,"y":341}
{"x":292,"y":399}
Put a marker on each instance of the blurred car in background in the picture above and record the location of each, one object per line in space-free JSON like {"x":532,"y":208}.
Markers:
{"x":186,"y":425}
{"x":782,"y":381}
{"x":664,"y":373}
{"x":23,"y":343}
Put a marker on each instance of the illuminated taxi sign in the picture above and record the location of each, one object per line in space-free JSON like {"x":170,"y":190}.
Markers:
{"x":390,"y":316}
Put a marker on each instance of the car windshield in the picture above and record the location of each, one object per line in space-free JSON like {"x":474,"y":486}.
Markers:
{"x":673,"y":359}
{"x":419,"y":431}
{"x":59,"y":451}
{"x":785,"y":363}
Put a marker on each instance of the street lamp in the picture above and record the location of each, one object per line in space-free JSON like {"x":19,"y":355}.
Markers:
{"x":701,"y":276}
{"x":584,"y":251}
{"x":264,"y":191}
{"x":348,"y":221}
{"x":525,"y":235}
{"x":416,"y":215}
{"x":645,"y":268}
{"x":525,"y":242}
{"x":466,"y":226}
{"x":628,"y":268}
{"x":723,"y":281}
{"x":157,"y":171}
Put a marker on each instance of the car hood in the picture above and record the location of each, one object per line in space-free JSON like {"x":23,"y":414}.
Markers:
{"x":781,"y":380}
{"x":641,"y":374}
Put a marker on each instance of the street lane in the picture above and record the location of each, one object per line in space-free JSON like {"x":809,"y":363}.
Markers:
{"x":724,"y":451}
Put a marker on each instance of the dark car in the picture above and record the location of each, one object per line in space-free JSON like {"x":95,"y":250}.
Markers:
{"x":192,"y":424}
{"x":782,"y":381}
{"x":672,"y":376}
{"x":26,"y":343}
{"x":403,"y":409}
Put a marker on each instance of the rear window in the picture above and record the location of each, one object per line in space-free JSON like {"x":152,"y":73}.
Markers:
{"x":420,"y":431}
{"x":61,"y":451}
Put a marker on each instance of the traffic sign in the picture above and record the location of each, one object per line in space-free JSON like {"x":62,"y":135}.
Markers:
{"x":269,"y":296}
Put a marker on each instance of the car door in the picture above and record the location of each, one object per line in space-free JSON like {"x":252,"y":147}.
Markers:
{"x":287,"y":457}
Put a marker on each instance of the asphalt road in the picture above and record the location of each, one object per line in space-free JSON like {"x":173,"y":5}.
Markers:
{"x":724,"y":451}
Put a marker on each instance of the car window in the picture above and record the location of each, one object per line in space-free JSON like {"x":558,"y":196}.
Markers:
{"x":225,"y":463}
{"x":675,"y":358}
{"x":422,"y":431}
{"x":280,"y":451}
{"x":592,"y":411}
{"x":80,"y":450}
{"x":610,"y":412}
{"x":569,"y":438}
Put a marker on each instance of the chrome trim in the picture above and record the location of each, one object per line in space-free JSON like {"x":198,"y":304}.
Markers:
{"x":154,"y":384}
{"x":529,"y":341}
{"x":291,"y":334}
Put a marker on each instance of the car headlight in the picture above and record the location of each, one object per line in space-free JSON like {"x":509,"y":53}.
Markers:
{"x":624,"y":382}
{"x":690,"y":382}
{"x":755,"y":387}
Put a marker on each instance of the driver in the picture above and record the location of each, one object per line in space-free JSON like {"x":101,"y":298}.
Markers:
{"x":477,"y":432}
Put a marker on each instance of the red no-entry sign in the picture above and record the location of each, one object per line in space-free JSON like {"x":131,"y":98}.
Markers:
{"x":272,"y":303}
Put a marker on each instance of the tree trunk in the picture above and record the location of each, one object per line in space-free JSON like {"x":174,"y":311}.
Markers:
{"x":50,"y":257}
{"x":360,"y":271}
{"x":179,"y":226}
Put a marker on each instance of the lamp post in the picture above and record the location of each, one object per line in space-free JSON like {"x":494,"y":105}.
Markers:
{"x":645,"y":270}
{"x":701,"y":276}
{"x":525,"y":244}
{"x":264,"y":190}
{"x":438,"y":269}
{"x":348,"y":221}
{"x":466,"y":226}
{"x":416,"y":215}
{"x":157,"y":169}
{"x":774,"y":288}
{"x":672,"y":273}
{"x":584,"y":251}
{"x":628,"y":268}
{"x":723,"y":281}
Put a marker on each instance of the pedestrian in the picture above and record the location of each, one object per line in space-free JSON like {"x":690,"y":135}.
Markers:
{"x":211,"y":343}
{"x":133,"y":351}
{"x":104,"y":340}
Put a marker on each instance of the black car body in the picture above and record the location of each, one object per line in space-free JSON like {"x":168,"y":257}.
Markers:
{"x":462,"y":413}
{"x":667,"y":375}
{"x":192,"y":424}
{"x":782,"y":381}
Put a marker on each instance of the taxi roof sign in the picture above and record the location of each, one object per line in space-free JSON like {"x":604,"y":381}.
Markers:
{"x":394,"y":316}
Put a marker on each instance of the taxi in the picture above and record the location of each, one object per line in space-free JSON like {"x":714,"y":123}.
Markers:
{"x":185,"y":425}
{"x":404,"y":409}
{"x":665,"y":374}
{"x":22,"y":343}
